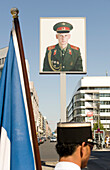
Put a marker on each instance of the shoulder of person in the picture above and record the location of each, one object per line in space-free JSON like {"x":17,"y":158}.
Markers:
{"x":51,"y":47}
{"x":74,"y":47}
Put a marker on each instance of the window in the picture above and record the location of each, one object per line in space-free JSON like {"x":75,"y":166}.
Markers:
{"x":104,"y":118}
{"x":104,"y":110}
{"x":79,"y":96}
{"x":105,"y":102}
{"x":79,"y":111}
{"x":79,"y":103}
{"x":104,"y":94}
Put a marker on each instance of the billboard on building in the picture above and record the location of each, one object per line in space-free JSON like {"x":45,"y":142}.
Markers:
{"x":63,"y":45}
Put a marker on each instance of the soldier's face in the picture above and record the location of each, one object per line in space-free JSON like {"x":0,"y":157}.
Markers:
{"x":63,"y":38}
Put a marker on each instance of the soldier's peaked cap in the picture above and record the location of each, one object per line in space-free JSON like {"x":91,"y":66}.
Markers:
{"x":69,"y":133}
{"x":62,"y":27}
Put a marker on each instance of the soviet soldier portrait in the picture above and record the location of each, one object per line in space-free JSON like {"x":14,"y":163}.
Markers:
{"x":63,"y":56}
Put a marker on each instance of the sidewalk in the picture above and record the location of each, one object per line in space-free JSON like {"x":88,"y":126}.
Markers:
{"x":103,"y":149}
{"x":48,"y":165}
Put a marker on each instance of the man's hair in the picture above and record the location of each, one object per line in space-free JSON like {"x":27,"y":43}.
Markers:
{"x":66,"y":149}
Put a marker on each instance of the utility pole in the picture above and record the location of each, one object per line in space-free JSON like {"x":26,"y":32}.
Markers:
{"x":98,"y":114}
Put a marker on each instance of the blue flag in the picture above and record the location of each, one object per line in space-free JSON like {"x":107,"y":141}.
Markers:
{"x":16,"y":151}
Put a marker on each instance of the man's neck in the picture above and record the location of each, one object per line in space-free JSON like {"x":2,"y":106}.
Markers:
{"x":75,"y":158}
{"x":63,"y":46}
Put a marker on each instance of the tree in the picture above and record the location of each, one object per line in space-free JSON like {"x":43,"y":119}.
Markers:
{"x":100,"y":126}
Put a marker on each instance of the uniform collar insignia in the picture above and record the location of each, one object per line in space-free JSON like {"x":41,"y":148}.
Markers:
{"x":70,"y":52}
{"x":54,"y":52}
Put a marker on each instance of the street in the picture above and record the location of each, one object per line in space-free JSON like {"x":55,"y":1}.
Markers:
{"x":99,"y":159}
{"x":48,"y":152}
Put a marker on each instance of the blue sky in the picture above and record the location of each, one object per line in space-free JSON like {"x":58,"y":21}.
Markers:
{"x":97,"y":13}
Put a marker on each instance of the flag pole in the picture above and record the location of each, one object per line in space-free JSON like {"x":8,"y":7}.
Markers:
{"x":14,"y":12}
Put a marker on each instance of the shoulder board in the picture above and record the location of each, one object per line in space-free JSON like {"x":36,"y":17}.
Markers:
{"x":51,"y":47}
{"x":74,"y":47}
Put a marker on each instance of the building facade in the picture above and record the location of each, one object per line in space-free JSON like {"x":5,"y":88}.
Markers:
{"x":43,"y":129}
{"x":40,"y":128}
{"x":35,"y":104}
{"x":91,"y":101}
{"x":47,"y":130}
{"x":3,"y":53}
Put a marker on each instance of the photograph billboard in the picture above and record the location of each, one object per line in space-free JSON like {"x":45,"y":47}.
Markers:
{"x":63,"y":45}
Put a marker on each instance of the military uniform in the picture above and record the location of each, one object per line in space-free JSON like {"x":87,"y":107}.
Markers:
{"x":68,"y":59}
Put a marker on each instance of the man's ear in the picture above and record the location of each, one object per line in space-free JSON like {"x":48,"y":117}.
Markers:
{"x":82,"y":149}
{"x":83,"y":144}
{"x":56,"y":36}
{"x":69,"y":36}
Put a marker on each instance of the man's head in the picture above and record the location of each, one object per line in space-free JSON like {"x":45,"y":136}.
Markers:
{"x":63,"y":29}
{"x":78,"y":153}
{"x":74,"y":142}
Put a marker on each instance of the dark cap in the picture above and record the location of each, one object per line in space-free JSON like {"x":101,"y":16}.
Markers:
{"x":77,"y":133}
{"x":62,"y":27}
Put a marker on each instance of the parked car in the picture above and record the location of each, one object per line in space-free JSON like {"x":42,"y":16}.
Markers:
{"x":53,"y":139}
{"x":48,"y":137}
{"x":38,"y":139}
{"x":44,"y":138}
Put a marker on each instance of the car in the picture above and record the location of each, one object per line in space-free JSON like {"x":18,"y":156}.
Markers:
{"x":38,"y":139}
{"x":53,"y":139}
{"x":44,"y":138}
{"x":48,"y":137}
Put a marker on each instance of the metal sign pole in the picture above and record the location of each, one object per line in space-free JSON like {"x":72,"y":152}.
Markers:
{"x":63,"y":97}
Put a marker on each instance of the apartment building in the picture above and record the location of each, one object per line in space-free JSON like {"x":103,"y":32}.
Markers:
{"x":35,"y":104}
{"x":91,"y":101}
{"x":3,"y":53}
